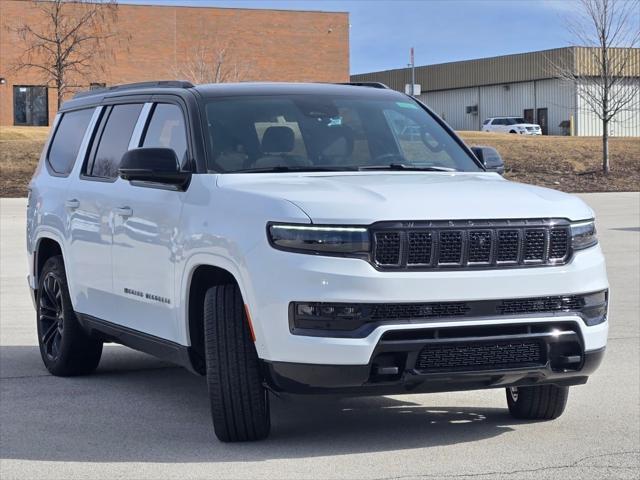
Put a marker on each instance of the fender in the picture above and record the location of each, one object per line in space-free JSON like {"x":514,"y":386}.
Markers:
{"x":240,"y":275}
{"x":41,"y":233}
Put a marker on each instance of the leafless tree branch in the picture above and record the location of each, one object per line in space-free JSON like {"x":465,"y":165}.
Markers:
{"x":70,"y":44}
{"x":605,"y":81}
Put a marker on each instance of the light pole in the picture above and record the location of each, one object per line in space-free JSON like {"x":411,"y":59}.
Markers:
{"x":413,"y":73}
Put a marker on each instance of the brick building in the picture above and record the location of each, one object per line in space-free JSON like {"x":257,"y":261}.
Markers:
{"x":156,"y":42}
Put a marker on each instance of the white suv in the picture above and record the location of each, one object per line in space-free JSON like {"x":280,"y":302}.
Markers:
{"x":511,"y":125}
{"x":290,"y":238}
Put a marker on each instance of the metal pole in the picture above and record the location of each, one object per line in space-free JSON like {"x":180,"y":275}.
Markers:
{"x":413,"y":73}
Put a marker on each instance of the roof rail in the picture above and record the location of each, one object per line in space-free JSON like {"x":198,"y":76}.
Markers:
{"x":366,"y":84}
{"x":131,"y":86}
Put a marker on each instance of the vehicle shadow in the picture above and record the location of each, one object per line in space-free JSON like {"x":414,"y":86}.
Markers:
{"x":136,"y":408}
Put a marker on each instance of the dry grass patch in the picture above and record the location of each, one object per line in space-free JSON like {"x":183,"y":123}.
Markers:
{"x":566,"y":163}
{"x":572,"y":164}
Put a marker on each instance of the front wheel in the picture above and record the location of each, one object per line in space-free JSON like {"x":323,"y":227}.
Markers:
{"x":544,"y":402}
{"x":239,"y":401}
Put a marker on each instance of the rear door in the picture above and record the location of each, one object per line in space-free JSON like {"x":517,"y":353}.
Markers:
{"x":91,"y":202}
{"x":146,"y":233}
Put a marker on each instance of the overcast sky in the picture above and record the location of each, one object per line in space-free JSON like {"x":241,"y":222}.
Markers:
{"x":382,"y":31}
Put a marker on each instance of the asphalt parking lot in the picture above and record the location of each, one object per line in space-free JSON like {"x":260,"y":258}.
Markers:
{"x":137,"y":417}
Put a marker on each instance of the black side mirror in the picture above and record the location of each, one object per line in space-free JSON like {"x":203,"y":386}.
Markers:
{"x":157,"y":165}
{"x":490,"y":158}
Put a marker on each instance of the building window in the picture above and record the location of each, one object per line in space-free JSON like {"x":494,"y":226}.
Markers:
{"x":30,"y":105}
{"x":97,"y":85}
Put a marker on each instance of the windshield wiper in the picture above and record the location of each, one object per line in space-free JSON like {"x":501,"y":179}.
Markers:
{"x":285,"y":168}
{"x":405,"y":167}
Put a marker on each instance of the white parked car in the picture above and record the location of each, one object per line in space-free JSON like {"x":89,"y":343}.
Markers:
{"x":511,"y":125}
{"x":290,"y":238}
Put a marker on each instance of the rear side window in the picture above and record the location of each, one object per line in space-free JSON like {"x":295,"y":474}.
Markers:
{"x":67,"y":139}
{"x":166,"y":129}
{"x":114,"y":140}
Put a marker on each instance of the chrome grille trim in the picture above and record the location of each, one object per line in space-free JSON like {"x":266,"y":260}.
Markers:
{"x":472,"y":244}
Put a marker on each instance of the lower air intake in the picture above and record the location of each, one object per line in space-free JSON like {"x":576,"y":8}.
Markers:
{"x":473,"y":356}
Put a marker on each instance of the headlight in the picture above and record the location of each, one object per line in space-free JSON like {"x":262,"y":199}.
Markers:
{"x":583,"y":235}
{"x":328,"y":240}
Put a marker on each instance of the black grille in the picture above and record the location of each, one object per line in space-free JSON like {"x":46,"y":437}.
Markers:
{"x":508,"y":245}
{"x":450,"y":247}
{"x":559,"y":243}
{"x":540,"y":304}
{"x":387,"y":248}
{"x":534,"y":245}
{"x":480,"y":356}
{"x":419,"y":251}
{"x":475,"y":244}
{"x":480,"y":246}
{"x":400,"y":311}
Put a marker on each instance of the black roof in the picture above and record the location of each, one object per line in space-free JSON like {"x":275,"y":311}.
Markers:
{"x":94,"y":97}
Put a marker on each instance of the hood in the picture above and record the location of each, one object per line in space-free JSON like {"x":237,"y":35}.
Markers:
{"x":366,"y":197}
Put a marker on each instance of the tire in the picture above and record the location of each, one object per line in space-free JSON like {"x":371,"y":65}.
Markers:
{"x":65,"y":347}
{"x":545,"y":402}
{"x":513,"y":131}
{"x":239,"y":401}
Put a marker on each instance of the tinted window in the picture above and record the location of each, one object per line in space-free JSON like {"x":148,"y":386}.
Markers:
{"x":114,"y":141}
{"x":167,"y":129}
{"x":486,"y":121}
{"x":66,"y":142}
{"x":328,"y":132}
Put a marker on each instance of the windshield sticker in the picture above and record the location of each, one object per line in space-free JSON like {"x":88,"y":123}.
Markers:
{"x":410,"y":105}
{"x":334,"y":121}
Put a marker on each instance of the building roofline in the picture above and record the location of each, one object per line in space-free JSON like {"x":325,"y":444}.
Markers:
{"x":495,"y":57}
{"x":210,"y":7}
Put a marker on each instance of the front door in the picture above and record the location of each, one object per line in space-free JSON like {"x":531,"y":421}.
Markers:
{"x":146,"y":235}
{"x":543,"y":120}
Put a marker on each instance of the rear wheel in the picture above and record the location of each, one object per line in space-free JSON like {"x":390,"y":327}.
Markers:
{"x":513,"y":131}
{"x":65,"y":347}
{"x":239,"y":401}
{"x":544,"y":402}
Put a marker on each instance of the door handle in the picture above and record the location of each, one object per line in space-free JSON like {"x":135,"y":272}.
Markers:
{"x":72,"y":204}
{"x":123,"y":211}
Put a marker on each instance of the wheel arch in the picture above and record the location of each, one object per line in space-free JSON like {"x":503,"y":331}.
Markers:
{"x":47,"y":246}
{"x":202,"y":276}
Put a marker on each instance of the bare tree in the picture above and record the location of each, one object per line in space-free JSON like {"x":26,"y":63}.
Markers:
{"x":211,"y":60}
{"x":70,"y":42}
{"x":610,"y":28}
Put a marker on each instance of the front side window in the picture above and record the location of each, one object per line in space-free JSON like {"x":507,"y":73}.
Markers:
{"x":114,"y":140}
{"x":166,"y":129}
{"x":327,"y":132}
{"x":67,"y":139}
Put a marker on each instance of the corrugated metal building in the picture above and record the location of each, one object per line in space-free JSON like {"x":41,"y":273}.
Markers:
{"x":524,"y":85}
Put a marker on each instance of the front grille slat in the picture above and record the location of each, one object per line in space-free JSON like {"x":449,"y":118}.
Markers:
{"x":472,"y":244}
{"x":465,"y":356}
{"x":450,"y":248}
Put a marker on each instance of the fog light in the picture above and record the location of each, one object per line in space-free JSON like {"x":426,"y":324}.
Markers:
{"x":594,"y":310}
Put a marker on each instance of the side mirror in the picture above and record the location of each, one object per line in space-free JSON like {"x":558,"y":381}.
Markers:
{"x":157,"y":165}
{"x":490,"y":158}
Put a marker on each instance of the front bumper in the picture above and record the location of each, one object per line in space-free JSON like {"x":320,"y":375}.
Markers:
{"x":299,"y":378}
{"x":274,"y":279}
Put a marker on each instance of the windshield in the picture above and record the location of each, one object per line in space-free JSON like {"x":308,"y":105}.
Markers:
{"x":323,"y":132}
{"x":514,"y":121}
